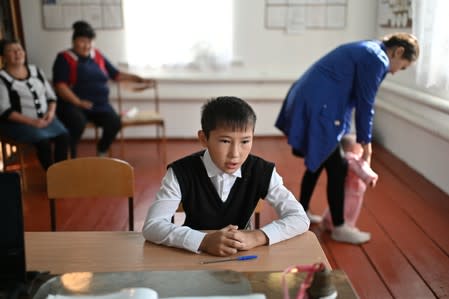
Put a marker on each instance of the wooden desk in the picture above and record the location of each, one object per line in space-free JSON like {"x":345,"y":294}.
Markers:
{"x":118,"y":252}
{"x":62,"y":252}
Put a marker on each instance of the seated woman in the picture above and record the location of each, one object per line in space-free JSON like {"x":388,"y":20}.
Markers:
{"x":28,"y":105}
{"x":81,"y":76}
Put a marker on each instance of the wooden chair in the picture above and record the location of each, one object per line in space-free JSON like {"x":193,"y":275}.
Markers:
{"x":90,"y":177}
{"x":142,"y":116}
{"x":10,"y":148}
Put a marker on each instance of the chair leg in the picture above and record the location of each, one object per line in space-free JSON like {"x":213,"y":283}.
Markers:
{"x":52,"y":214}
{"x":22,"y":167}
{"x":122,"y":144}
{"x":4,"y":156}
{"x":257,"y":220}
{"x":19,"y":151}
{"x":162,"y":144}
{"x":131,"y":213}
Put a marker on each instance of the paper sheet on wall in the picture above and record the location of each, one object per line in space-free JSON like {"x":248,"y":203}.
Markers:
{"x":296,"y":20}
{"x":101,"y":14}
{"x":276,"y":16}
{"x":336,"y":16}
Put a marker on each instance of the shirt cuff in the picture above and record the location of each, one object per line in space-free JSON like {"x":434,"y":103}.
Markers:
{"x":193,"y":241}
{"x":272,"y":233}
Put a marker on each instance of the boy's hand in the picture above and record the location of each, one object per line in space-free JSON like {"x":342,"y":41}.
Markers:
{"x":249,"y":239}
{"x":230,"y":240}
{"x":221,"y":242}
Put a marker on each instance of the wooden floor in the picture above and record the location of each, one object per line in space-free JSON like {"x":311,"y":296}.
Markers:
{"x":408,"y":256}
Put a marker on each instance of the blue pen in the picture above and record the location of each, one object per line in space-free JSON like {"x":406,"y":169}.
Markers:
{"x":238,"y":258}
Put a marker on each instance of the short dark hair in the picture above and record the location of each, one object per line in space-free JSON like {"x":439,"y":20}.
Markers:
{"x":6,"y":42}
{"x":229,"y":112}
{"x":406,"y":40}
{"x":82,"y":29}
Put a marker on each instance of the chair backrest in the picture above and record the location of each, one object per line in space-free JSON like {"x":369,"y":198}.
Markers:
{"x":91,"y":176}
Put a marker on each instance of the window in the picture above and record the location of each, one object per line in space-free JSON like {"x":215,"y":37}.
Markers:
{"x":179,"y":33}
{"x":430,"y":22}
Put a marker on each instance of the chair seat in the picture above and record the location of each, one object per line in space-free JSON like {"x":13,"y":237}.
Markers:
{"x":143,"y":117}
{"x":149,"y":116}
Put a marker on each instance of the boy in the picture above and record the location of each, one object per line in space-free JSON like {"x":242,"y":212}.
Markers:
{"x":220,"y":187}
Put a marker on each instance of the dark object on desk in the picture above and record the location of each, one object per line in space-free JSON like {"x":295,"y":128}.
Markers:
{"x":322,"y":285}
{"x":12,"y":246}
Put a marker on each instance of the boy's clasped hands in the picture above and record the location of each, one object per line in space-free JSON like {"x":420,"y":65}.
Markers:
{"x":229,"y":240}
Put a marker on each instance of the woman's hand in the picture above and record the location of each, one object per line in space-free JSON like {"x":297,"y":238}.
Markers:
{"x":39,"y":123}
{"x":85,"y":104}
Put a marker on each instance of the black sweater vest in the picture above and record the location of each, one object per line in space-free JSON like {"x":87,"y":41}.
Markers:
{"x":203,"y":206}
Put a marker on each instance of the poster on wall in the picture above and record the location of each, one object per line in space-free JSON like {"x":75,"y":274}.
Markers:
{"x":101,"y":14}
{"x":295,"y":16}
{"x":395,"y":13}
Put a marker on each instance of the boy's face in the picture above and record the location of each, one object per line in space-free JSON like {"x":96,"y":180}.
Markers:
{"x":228,"y":149}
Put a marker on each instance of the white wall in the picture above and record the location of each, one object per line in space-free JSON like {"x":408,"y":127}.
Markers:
{"x":266,"y":55}
{"x":412,"y":122}
{"x":270,"y":51}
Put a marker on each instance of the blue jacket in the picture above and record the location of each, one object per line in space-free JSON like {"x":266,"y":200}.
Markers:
{"x":318,"y":108}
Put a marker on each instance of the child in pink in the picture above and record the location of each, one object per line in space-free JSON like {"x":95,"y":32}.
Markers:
{"x":360,"y":175}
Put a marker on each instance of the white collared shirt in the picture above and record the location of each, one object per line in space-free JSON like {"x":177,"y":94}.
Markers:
{"x":158,"y":228}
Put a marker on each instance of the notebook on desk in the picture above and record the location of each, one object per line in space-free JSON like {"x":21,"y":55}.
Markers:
{"x":12,"y":245}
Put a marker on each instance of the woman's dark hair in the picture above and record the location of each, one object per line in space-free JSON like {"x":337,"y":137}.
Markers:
{"x":405,"y":40}
{"x":227,"y":112}
{"x":82,"y":29}
{"x":6,"y":42}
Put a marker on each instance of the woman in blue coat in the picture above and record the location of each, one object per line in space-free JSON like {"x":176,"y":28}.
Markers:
{"x":318,"y":108}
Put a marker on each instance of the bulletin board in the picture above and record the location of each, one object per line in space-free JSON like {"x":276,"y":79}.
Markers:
{"x":295,"y":16}
{"x":101,"y":14}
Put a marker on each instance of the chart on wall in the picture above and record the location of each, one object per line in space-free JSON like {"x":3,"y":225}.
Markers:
{"x":295,"y":16}
{"x":101,"y":14}
{"x":395,"y":13}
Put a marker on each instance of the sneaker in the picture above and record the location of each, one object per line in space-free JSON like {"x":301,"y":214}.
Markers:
{"x":347,"y":234}
{"x":314,"y":218}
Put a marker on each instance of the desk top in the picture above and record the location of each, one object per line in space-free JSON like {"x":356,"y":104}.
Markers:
{"x":61,"y":252}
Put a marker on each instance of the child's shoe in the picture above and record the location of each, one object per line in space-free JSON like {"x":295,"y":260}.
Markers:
{"x":347,"y":234}
{"x":314,"y":218}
